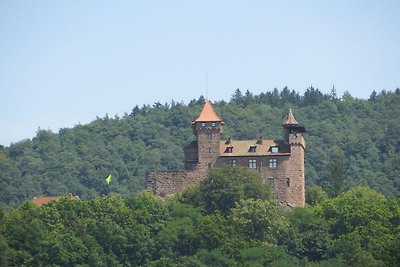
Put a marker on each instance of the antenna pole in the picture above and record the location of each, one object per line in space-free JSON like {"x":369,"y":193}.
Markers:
{"x":206,"y":85}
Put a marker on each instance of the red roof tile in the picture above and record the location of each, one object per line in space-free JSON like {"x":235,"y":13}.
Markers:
{"x":39,"y":201}
{"x":208,"y":114}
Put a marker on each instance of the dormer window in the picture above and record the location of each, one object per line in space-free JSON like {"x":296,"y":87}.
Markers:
{"x":274,"y":149}
{"x":229,"y":149}
{"x":252,"y":148}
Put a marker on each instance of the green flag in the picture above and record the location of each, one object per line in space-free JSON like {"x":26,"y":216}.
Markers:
{"x":108,"y":179}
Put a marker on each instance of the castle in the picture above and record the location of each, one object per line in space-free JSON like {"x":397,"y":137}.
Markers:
{"x":279,"y":162}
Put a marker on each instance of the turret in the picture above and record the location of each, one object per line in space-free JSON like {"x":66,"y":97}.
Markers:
{"x":295,"y":191}
{"x":291,"y":129}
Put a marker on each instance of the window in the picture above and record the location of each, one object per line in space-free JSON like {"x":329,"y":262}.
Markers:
{"x":252,"y":149}
{"x":209,"y":150}
{"x":213,"y":124}
{"x":274,"y":149}
{"x":271,"y":181}
{"x":209,"y":135}
{"x":232,"y":162}
{"x":272,"y":163}
{"x":288,"y":182}
{"x":229,"y":149}
{"x":209,"y":165}
{"x":252,"y":163}
{"x":203,"y":124}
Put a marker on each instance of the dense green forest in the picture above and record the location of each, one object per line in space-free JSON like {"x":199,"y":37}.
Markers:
{"x":350,"y":142}
{"x":230,"y":219}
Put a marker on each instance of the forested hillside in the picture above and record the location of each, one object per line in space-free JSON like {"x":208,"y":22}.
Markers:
{"x":229,"y":220}
{"x":349,"y":142}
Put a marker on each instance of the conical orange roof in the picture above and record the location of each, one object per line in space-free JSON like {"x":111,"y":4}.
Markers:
{"x":290,"y":120}
{"x":208,"y":114}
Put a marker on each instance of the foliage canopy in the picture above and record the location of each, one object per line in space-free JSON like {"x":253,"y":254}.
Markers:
{"x":350,"y":142}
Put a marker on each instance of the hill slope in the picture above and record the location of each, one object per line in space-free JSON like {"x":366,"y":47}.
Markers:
{"x":349,"y":142}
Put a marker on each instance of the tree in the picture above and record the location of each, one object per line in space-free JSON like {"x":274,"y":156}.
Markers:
{"x":308,"y":235}
{"x":213,"y":230}
{"x":315,"y":195}
{"x":4,"y":251}
{"x":227,"y":185}
{"x":238,"y":98}
{"x":335,"y":173}
{"x":313,"y":96}
{"x":258,"y":219}
{"x":373,"y":96}
{"x":363,"y":213}
{"x":333,"y":94}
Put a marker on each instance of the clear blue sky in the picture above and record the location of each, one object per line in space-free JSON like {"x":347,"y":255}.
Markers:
{"x":66,"y":62}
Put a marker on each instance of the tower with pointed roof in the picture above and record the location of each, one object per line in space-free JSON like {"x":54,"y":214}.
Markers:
{"x":202,"y":153}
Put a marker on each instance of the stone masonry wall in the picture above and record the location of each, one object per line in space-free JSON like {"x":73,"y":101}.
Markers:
{"x":296,"y":192}
{"x":167,"y":183}
{"x":207,"y":148}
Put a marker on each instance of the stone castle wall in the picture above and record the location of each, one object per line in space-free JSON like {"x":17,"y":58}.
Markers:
{"x":165,"y":183}
{"x":168,"y":183}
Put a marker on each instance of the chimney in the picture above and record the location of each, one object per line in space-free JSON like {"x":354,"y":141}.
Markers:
{"x":260,"y":141}
{"x":229,"y":141}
